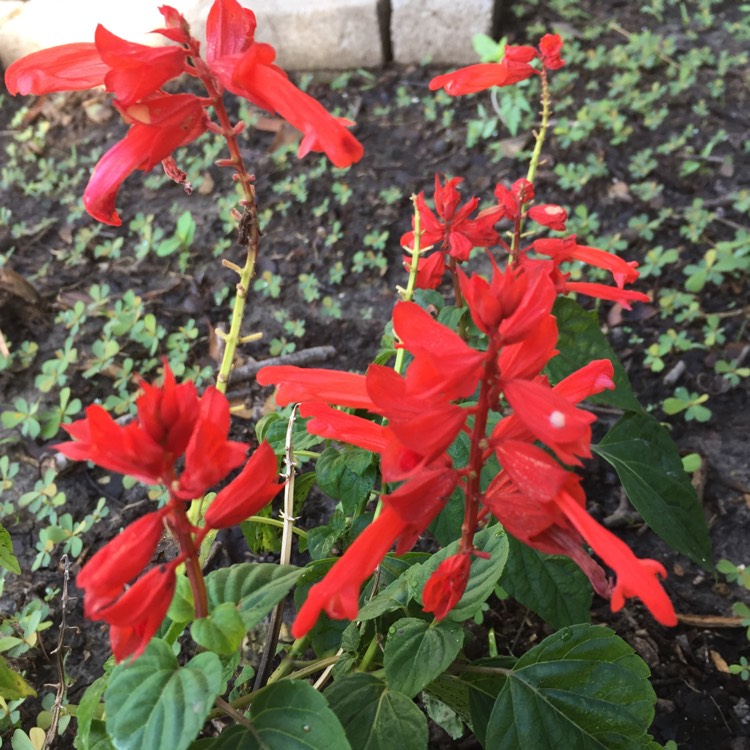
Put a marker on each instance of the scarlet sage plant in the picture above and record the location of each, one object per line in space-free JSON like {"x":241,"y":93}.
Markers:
{"x":455,"y":463}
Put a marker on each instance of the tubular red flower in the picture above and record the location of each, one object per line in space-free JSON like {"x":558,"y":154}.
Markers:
{"x":552,"y":419}
{"x":67,"y":67}
{"x":550,"y":47}
{"x":253,"y":489}
{"x":135,"y":617}
{"x":338,"y":592}
{"x":601,"y":291}
{"x":337,"y":425}
{"x":635,"y":577}
{"x":446,"y":586}
{"x":105,"y":575}
{"x":430,"y":270}
{"x":526,"y":358}
{"x":257,"y":79}
{"x":549,"y":215}
{"x":181,"y":119}
{"x":299,"y":384}
{"x":475,"y":78}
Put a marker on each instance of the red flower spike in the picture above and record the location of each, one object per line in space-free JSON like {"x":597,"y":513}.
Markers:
{"x":105,"y":575}
{"x":483,"y":76}
{"x":138,"y":613}
{"x":550,"y":46}
{"x":252,"y":490}
{"x":445,"y":587}
{"x":551,"y":419}
{"x":595,"y":377}
{"x":209,"y":456}
{"x":338,"y":592}
{"x":549,"y":215}
{"x":136,"y":70}
{"x":298,"y":384}
{"x":635,"y":577}
{"x":67,"y":67}
{"x":535,"y":304}
{"x":443,"y":362}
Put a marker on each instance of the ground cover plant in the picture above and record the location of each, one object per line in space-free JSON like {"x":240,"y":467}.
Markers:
{"x":471,"y":668}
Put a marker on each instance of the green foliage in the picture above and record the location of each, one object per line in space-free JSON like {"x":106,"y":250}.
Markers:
{"x":689,"y":404}
{"x":649,"y":466}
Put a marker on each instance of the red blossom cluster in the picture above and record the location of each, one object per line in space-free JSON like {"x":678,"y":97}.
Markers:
{"x":173,"y":424}
{"x":161,"y":122}
{"x":541,"y":431}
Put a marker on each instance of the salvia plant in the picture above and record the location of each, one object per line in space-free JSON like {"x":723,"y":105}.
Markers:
{"x":454,"y":461}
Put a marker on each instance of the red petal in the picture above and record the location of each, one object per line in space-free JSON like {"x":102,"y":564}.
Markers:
{"x":68,"y":67}
{"x":229,"y":29}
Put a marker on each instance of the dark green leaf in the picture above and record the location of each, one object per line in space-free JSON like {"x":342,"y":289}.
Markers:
{"x":288,"y":715}
{"x":416,"y":652}
{"x":582,"y":688}
{"x":650,"y":469}
{"x":554,"y":587}
{"x":580,"y":341}
{"x":347,"y":475}
{"x":374,"y":717}
{"x":87,"y":709}
{"x":255,"y":588}
{"x":154,"y":703}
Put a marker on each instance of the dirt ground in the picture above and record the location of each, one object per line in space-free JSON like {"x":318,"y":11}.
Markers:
{"x":699,"y":704}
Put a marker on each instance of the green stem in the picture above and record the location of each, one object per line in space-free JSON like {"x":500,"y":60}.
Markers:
{"x":540,"y":136}
{"x":369,"y":655}
{"x":408,"y":293}
{"x":278,"y":524}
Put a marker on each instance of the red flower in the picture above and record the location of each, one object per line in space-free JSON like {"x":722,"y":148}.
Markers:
{"x":549,"y":215}
{"x":457,"y":233}
{"x":445,"y":587}
{"x":551,"y":419}
{"x":338,"y":592}
{"x":161,"y":123}
{"x":475,"y":78}
{"x":106,"y":574}
{"x":256,"y":485}
{"x":443,"y":361}
{"x":550,"y":47}
{"x":135,"y":617}
{"x":430,"y":270}
{"x":299,"y":384}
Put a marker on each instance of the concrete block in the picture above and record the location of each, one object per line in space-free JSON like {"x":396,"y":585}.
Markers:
{"x":438,"y":31}
{"x":314,"y":34}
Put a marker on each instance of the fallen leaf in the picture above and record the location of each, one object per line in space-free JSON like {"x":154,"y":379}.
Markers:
{"x":718,"y":661}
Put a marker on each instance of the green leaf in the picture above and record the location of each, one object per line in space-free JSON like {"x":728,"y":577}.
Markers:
{"x":580,"y":341}
{"x":7,"y":558}
{"x":12,"y":685}
{"x":347,"y":475}
{"x":552,"y":586}
{"x":85,"y":738}
{"x":374,"y":717}
{"x":650,"y":469}
{"x":484,"y":574}
{"x":416,"y":652}
{"x":222,"y":631}
{"x":182,"y":607}
{"x":582,"y":688}
{"x":154,"y":703}
{"x":255,"y":588}
{"x":288,"y":715}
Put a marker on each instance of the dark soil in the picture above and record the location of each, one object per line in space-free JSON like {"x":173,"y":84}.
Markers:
{"x":699,"y":704}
